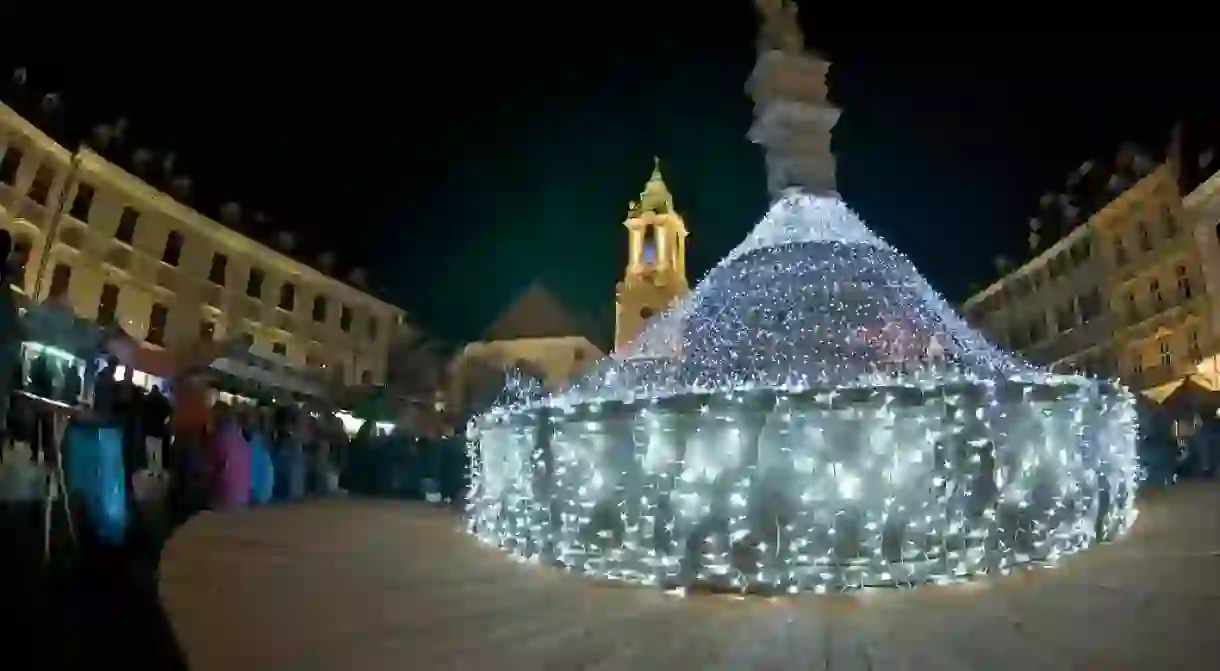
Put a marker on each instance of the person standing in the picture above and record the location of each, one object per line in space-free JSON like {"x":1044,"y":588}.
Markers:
{"x":262,"y":469}
{"x":156,"y":411}
{"x":189,"y":424}
{"x":106,"y":389}
{"x":290,"y":465}
{"x":70,"y":390}
{"x":10,"y":335}
{"x":230,"y":461}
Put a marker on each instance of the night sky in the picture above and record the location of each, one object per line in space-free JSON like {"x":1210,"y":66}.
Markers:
{"x":462,"y":157}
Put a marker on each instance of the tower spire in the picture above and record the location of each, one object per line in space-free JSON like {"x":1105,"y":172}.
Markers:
{"x":656,"y":196}
{"x":656,"y":264}
{"x":792,"y":116}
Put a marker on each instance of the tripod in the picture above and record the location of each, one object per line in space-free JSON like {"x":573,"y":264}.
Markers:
{"x":56,"y":488}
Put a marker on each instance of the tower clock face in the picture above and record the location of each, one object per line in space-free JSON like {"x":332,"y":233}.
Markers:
{"x":646,"y":312}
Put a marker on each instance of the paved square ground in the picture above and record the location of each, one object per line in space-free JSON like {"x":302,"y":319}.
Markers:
{"x":352,"y":584}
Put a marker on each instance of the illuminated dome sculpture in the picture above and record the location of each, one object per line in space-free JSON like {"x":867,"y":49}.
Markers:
{"x":827,"y":422}
{"x":812,"y":416}
{"x":811,"y":298}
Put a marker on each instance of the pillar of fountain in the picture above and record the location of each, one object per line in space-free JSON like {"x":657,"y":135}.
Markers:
{"x":792,"y":116}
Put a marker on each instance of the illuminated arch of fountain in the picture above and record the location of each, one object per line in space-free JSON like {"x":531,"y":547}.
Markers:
{"x":825,"y":422}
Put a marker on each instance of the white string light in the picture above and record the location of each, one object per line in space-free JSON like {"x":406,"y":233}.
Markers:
{"x":826,"y":422}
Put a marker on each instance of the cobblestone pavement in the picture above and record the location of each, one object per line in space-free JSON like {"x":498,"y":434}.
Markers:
{"x":348,"y":584}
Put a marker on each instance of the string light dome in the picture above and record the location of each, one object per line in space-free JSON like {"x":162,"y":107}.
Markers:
{"x":812,"y":416}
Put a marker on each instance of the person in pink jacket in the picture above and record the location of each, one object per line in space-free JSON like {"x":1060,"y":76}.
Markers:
{"x":229,"y":459}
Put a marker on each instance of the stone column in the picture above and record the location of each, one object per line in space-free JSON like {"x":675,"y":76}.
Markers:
{"x":635,"y":244}
{"x":662,"y":232}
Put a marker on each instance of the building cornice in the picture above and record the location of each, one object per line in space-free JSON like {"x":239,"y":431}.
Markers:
{"x":1123,"y":200}
{"x":10,"y":120}
{"x":98,"y":168}
{"x":1206,"y":190}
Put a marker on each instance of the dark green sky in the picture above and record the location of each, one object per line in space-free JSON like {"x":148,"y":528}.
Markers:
{"x":462,"y":157}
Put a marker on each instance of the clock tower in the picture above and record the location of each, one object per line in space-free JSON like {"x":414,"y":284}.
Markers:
{"x":656,"y":262}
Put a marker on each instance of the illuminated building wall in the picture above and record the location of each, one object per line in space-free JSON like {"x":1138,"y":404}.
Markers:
{"x":537,"y":335}
{"x":656,"y":264}
{"x":1125,"y":293}
{"x":1201,"y":208}
{"x":130,"y":254}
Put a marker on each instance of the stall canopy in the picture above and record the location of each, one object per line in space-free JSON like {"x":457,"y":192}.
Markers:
{"x":1191,"y":399}
{"x":55,"y":325}
{"x":376,"y":403}
{"x":260,"y":376}
{"x":168,"y":362}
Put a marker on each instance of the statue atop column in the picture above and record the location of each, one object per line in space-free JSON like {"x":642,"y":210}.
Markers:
{"x":792,"y":116}
{"x":781,"y":30}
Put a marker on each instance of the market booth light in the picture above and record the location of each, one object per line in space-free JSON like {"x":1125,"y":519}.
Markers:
{"x":828,"y":422}
{"x":352,"y":424}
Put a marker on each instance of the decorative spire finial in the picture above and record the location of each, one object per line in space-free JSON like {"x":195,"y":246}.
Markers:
{"x":656,"y":196}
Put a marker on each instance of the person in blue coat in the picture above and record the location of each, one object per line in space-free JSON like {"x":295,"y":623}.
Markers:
{"x":94,"y":473}
{"x":262,"y":469}
{"x":290,"y":466}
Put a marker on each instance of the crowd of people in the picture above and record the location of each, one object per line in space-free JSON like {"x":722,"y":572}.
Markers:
{"x":173,"y":454}
{"x":136,"y":460}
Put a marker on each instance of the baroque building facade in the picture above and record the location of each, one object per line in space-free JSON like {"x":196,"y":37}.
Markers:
{"x":1127,"y":290}
{"x":118,"y":251}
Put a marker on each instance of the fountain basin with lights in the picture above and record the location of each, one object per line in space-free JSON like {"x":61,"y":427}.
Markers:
{"x":813,"y":416}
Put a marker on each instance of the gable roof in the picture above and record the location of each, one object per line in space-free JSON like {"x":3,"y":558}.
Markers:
{"x":538,"y":313}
